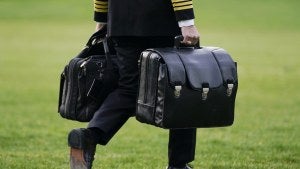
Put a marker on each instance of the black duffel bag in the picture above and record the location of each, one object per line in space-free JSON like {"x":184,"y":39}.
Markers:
{"x":187,"y":87}
{"x":88,"y":79}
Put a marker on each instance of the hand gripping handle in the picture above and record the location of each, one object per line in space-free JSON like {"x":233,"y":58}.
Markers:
{"x":177,"y":43}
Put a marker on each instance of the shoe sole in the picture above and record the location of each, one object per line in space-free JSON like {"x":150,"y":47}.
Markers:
{"x":76,"y":159}
{"x":77,"y":144}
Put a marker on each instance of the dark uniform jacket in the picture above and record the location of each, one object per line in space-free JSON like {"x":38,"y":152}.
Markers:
{"x":143,"y":17}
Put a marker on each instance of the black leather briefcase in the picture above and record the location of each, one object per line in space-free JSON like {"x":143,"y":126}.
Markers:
{"x":88,"y":79}
{"x":187,"y":87}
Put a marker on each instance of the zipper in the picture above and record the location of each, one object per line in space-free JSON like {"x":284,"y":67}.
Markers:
{"x":70,"y":93}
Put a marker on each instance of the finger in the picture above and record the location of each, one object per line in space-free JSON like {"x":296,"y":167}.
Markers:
{"x":189,"y":41}
{"x":186,"y":42}
{"x":194,"y":40}
{"x":186,"y":39}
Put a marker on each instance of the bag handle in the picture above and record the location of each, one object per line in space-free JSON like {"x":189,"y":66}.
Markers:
{"x":107,"y":53}
{"x":178,"y":44}
{"x":100,"y":34}
{"x":93,"y":40}
{"x":100,"y":37}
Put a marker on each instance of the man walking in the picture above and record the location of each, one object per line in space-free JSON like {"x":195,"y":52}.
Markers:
{"x":133,"y":26}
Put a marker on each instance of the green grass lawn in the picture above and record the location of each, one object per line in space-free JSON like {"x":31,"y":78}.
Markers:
{"x":37,"y":38}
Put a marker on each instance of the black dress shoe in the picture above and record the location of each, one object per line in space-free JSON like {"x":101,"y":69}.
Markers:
{"x":186,"y":167}
{"x":83,"y":148}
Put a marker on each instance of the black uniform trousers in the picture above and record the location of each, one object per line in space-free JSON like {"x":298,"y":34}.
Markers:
{"x":121,"y":103}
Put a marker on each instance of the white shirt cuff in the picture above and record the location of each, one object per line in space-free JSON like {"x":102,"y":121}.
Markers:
{"x":102,"y":23}
{"x":189,"y":22}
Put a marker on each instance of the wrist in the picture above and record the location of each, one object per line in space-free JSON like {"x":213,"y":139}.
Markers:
{"x":99,"y":25}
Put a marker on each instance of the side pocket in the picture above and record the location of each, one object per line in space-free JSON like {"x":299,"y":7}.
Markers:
{"x":62,"y":90}
{"x":152,"y":80}
{"x":147,"y":88}
{"x":161,"y":88}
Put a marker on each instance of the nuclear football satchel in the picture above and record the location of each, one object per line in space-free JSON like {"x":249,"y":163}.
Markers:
{"x":187,"y":87}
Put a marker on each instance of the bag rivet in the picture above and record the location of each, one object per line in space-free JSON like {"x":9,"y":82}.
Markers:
{"x":205,"y":93}
{"x":83,"y":64}
{"x":229,"y":89}
{"x":177,"y":91}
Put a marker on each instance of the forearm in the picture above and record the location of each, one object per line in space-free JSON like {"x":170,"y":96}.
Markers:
{"x":185,"y":16}
{"x":100,"y":10}
{"x":100,"y":13}
{"x":183,"y":9}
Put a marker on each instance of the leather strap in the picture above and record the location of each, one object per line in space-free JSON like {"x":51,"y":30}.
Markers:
{"x":107,"y":54}
{"x":97,"y":36}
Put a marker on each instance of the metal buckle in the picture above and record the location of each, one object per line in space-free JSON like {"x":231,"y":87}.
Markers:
{"x":205,"y":91}
{"x":83,"y":64}
{"x":95,"y":41}
{"x":177,"y":91}
{"x":229,"y":89}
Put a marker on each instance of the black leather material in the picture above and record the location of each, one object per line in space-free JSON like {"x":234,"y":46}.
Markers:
{"x":149,"y":63}
{"x":195,"y":71}
{"x":201,"y":68}
{"x":87,"y":80}
{"x":176,"y":70}
{"x":226,"y":64}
